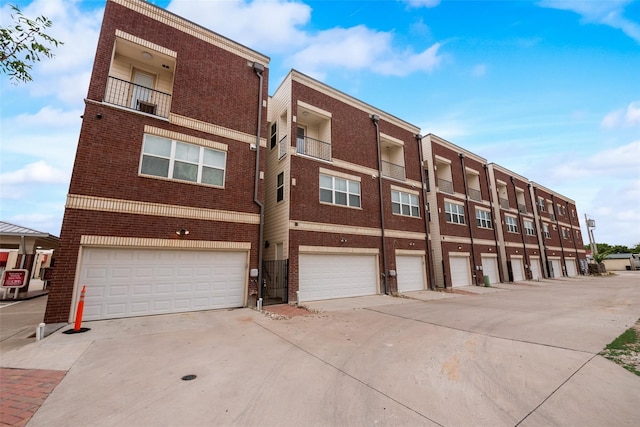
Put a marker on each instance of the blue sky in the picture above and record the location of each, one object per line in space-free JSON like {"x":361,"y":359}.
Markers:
{"x":548,"y":89}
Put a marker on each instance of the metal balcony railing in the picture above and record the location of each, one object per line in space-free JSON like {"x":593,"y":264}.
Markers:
{"x":552,"y":217}
{"x":282,"y":147}
{"x":313,"y":148}
{"x":522,"y":208}
{"x":475,"y":194}
{"x":391,"y":170}
{"x":504,"y":203}
{"x":445,"y":186}
{"x":137,"y":97}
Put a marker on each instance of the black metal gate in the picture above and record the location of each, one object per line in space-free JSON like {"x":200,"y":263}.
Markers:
{"x":275,"y":277}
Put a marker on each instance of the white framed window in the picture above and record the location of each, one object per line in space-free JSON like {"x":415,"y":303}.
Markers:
{"x":339,"y":191}
{"x":565,"y":234}
{"x":545,"y":231}
{"x":280,"y":188}
{"x":528,"y":228}
{"x":541,"y":204}
{"x":454,"y":213}
{"x":168,"y":158}
{"x":483,"y":219}
{"x":404,"y":203}
{"x":511,"y":223}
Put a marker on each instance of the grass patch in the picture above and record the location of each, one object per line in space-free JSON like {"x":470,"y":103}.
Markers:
{"x":630,"y":336}
{"x":625,"y":350}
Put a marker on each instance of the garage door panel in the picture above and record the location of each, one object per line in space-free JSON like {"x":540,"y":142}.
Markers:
{"x":535,"y":269}
{"x":557,"y":268}
{"x":411,"y":273}
{"x":571,"y":268}
{"x":460,"y":271}
{"x":516,"y":268}
{"x":128,"y":289}
{"x":336,"y":276}
{"x":490,"y":269}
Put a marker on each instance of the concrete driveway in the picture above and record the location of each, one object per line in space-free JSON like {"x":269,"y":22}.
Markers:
{"x":521,"y":355}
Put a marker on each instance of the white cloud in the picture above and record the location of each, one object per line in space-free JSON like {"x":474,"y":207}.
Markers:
{"x":619,"y":161}
{"x":38,"y":172}
{"x":623,"y":118}
{"x":361,"y":48}
{"x":272,"y":25}
{"x":610,"y":12}
{"x":422,"y":3}
{"x":66,"y":75}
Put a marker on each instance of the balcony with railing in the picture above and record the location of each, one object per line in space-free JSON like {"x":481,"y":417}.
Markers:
{"x":313,"y":148}
{"x":552,"y":217}
{"x":391,"y":170}
{"x":504,"y":203}
{"x":475,"y":194}
{"x":522,"y":208}
{"x":445,"y":186}
{"x":137,"y":97}
{"x":282,"y":147}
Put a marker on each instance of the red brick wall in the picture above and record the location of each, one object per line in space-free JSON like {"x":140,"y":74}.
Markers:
{"x":80,"y":222}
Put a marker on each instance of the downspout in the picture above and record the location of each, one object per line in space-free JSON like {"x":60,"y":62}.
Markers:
{"x":547,"y":270}
{"x":430,"y":267}
{"x":375,"y":118}
{"x":573,"y":237}
{"x":555,"y":215}
{"x":466,"y":198}
{"x":495,"y":229}
{"x":259,"y":69}
{"x":521,"y":225}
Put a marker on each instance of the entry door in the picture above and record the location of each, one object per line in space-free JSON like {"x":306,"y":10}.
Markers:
{"x":300,"y":139}
{"x":142,"y":85}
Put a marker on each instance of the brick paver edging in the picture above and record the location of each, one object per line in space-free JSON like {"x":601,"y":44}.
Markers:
{"x":22,"y":391}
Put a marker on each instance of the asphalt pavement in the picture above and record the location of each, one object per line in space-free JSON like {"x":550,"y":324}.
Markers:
{"x":512,"y":355}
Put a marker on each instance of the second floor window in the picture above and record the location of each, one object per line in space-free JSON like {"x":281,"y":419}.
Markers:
{"x":528,"y":228}
{"x":274,"y":134}
{"x":167,"y":158}
{"x":454,"y":213}
{"x":483,"y":219}
{"x":404,"y":203}
{"x":545,"y":231}
{"x":280,"y":187}
{"x":339,"y":191}
{"x":511,"y":223}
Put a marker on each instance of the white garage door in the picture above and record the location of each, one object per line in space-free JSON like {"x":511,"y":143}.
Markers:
{"x":535,"y":269}
{"x":411,"y":273}
{"x":140,"y":282}
{"x":490,"y":268}
{"x":571,"y":267}
{"x":460,"y":274}
{"x":516,"y":267}
{"x":326,"y":276}
{"x":557,"y":268}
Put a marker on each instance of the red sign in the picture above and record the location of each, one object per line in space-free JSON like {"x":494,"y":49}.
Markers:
{"x":14,"y":278}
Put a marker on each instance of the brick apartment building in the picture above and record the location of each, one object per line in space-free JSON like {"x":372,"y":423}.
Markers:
{"x":162,"y":214}
{"x":191,"y":186}
{"x":343,"y":195}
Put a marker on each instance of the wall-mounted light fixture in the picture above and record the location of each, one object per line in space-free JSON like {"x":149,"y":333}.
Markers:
{"x":182,"y":232}
{"x":459,"y":247}
{"x":343,"y":240}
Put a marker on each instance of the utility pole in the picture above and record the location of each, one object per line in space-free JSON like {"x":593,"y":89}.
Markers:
{"x":591,"y":224}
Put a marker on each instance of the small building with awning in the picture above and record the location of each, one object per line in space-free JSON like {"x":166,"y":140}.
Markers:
{"x":19,"y":247}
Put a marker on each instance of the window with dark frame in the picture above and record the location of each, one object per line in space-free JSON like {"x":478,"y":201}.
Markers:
{"x":280,"y":188}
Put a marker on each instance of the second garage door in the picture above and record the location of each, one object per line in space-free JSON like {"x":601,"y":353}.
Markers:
{"x":571,"y":268}
{"x":411,"y":273}
{"x":535,"y":269}
{"x":138,"y":282}
{"x":556,"y":267}
{"x":460,"y":273}
{"x":326,"y":276}
{"x":516,"y":267}
{"x":490,"y":268}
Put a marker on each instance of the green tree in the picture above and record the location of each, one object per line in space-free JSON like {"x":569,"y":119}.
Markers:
{"x":24,"y":43}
